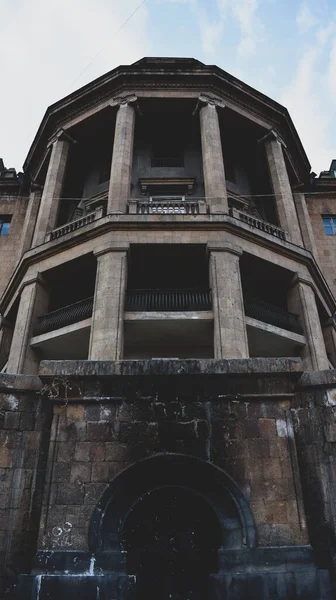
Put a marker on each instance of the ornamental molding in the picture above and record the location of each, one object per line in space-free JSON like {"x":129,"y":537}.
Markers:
{"x":272,"y":136}
{"x":60,"y":135}
{"x":204,"y":99}
{"x":124,"y":100}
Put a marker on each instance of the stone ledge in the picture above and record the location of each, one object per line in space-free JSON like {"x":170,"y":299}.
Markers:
{"x":317,"y":379}
{"x":13,"y":382}
{"x":290,"y":367}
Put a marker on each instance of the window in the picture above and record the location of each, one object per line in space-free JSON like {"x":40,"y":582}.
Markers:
{"x":329,"y":225}
{"x":5,"y":224}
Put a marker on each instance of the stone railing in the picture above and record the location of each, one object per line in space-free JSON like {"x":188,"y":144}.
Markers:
{"x":68,"y":315}
{"x":258,"y":223}
{"x":74,"y":225}
{"x":181,"y":205}
{"x":268,"y":313}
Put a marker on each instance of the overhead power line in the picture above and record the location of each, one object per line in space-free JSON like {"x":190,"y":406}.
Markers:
{"x":112,"y":38}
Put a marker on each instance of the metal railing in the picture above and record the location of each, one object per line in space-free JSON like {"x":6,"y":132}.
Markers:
{"x":262,"y":311}
{"x":74,"y":225}
{"x":168,"y":300}
{"x":167,"y":205}
{"x":258,"y":223}
{"x":73,"y":313}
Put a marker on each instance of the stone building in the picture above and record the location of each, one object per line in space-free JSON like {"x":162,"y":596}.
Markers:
{"x":168,"y":345}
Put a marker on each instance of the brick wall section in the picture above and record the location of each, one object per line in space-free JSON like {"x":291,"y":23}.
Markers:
{"x":325,"y":244}
{"x":10,"y":244}
{"x":23,"y":431}
{"x":98,"y":432}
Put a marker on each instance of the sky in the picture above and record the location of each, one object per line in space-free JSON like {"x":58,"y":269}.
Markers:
{"x":286,"y":49}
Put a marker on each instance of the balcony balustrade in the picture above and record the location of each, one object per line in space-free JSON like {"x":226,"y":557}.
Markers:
{"x":258,"y":223}
{"x":262,"y":311}
{"x":167,"y":205}
{"x":74,"y":225}
{"x":73,"y":313}
{"x":168,"y":300}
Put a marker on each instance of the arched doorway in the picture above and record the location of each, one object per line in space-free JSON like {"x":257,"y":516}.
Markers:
{"x":169,"y":520}
{"x":172,"y":537}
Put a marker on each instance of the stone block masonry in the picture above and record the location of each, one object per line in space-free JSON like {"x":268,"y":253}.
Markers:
{"x":71,"y":434}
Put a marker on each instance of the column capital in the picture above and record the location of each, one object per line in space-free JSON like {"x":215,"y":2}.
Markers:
{"x":112,"y":247}
{"x":224,"y":247}
{"x":204,"y":99}
{"x":60,"y":135}
{"x":37,"y":280}
{"x":271,"y":136}
{"x":297,"y":278}
{"x":124,"y":100}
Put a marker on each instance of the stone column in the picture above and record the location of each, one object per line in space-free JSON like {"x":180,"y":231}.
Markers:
{"x":329,"y":336}
{"x":53,"y":186}
{"x":230,"y":337}
{"x":30,"y":220}
{"x":122,"y":157}
{"x":212,"y":154}
{"x":305,"y":223}
{"x":106,"y":340}
{"x":301,"y":300}
{"x":33,"y":304}
{"x":281,"y":187}
{"x":6,"y":336}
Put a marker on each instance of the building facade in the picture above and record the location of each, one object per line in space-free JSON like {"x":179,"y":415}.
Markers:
{"x":168,"y":347}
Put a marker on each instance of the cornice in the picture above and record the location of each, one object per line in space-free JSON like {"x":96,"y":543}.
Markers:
{"x":206,"y":80}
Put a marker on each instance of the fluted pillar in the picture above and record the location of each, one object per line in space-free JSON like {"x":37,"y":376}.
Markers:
{"x":33,"y":304}
{"x":122,"y":157}
{"x":230,"y":337}
{"x":212,"y":155}
{"x":301,"y":300}
{"x":281,"y":187}
{"x":53,"y":187}
{"x":106,"y":340}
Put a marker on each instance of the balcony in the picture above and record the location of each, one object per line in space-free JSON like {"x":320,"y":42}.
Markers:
{"x":168,"y":300}
{"x":68,"y":315}
{"x":257,"y":309}
{"x":74,"y":225}
{"x":167,"y":205}
{"x":256,"y":223}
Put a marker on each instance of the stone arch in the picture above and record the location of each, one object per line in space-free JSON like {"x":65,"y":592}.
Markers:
{"x":206,"y":481}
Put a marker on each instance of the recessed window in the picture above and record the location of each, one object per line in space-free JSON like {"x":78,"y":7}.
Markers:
{"x":329,"y":225}
{"x":5,"y":224}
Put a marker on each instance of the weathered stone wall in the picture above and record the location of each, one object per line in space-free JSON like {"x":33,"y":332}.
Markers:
{"x":69,"y":434}
{"x":24,"y":433}
{"x":314,"y":417}
{"x":102,"y":426}
{"x":11,"y":244}
{"x":325,"y":244}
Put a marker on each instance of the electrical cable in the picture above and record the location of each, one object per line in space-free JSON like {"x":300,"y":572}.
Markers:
{"x":113,"y":37}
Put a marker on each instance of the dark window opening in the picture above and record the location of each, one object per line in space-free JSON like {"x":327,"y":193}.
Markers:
{"x":168,"y":266}
{"x":71,"y":282}
{"x":168,"y":141}
{"x":172,"y":537}
{"x":5,"y":221}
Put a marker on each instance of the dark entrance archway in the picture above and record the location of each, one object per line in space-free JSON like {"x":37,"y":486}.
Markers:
{"x":167,"y":520}
{"x":172,"y":537}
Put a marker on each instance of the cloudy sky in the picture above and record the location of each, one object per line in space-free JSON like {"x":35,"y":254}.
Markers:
{"x":284,"y":48}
